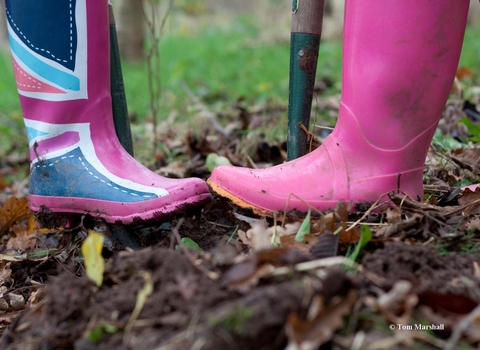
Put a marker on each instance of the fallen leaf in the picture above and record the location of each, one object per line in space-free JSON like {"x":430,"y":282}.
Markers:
{"x":36,"y":297}
{"x":213,"y":160}
{"x":366,"y":236}
{"x":92,"y":253}
{"x":9,"y":317}
{"x":10,"y":257}
{"x":304,"y":229}
{"x":260,"y":236}
{"x":394,"y":215}
{"x":447,"y":303}
{"x":349,"y":237}
{"x":3,"y":182}
{"x":463,"y":72}
{"x":142,"y":296}
{"x":245,"y":274}
{"x":190,"y":244}
{"x":3,"y":305}
{"x":291,"y":242}
{"x":17,"y":302}
{"x":257,"y":237}
{"x":413,"y":222}
{"x":471,"y":199}
{"x":34,"y":227}
{"x":5,"y":273}
{"x":14,"y":210}
{"x":20,"y":240}
{"x":321,"y":324}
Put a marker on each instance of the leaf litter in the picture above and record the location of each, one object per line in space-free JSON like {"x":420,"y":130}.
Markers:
{"x":397,"y":278}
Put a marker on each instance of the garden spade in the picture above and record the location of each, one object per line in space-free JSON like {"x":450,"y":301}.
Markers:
{"x":306,"y":29}
{"x":117,"y":89}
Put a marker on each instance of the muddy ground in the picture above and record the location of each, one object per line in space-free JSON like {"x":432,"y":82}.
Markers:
{"x":414,"y":284}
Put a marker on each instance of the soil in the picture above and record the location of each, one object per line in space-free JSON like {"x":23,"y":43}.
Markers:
{"x":230,"y":291}
{"x":191,"y":305}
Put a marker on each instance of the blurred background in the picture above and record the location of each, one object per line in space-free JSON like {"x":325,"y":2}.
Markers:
{"x":188,"y":61}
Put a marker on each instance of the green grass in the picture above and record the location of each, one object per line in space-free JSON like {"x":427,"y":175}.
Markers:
{"x":219,"y":66}
{"x":215,"y":65}
{"x":470,"y":57}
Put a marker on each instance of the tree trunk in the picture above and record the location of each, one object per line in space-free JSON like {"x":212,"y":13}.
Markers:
{"x":130,"y":28}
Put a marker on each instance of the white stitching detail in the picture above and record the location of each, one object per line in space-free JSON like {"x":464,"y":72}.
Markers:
{"x":108,"y":184}
{"x":43,"y":50}
{"x":22,"y":72}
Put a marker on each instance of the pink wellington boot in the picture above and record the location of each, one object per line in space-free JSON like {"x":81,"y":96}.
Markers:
{"x":60,"y":52}
{"x":399,"y":63}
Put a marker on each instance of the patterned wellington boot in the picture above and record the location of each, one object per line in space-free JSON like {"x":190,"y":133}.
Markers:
{"x":400,"y":59}
{"x":60,"y":52}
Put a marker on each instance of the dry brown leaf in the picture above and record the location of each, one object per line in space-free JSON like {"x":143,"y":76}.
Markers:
{"x":15,"y":209}
{"x":36,"y":297}
{"x":260,"y":236}
{"x":244,"y":285}
{"x":394,"y":215}
{"x":407,"y":224}
{"x":257,"y":237}
{"x":463,"y":72}
{"x":321,"y":324}
{"x":350,"y":236}
{"x":3,"y":182}
{"x":20,"y":240}
{"x":5,"y":273}
{"x":447,"y":303}
{"x":473,"y":224}
{"x":17,"y":302}
{"x":3,"y":304}
{"x":244,"y":237}
{"x":175,"y":169}
{"x":471,"y":199}
{"x":9,"y":317}
{"x":327,"y":222}
{"x":291,"y":242}
{"x":468,"y":155}
{"x":245,"y":274}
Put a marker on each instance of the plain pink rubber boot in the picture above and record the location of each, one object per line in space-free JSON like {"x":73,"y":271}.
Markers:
{"x":399,"y":63}
{"x":60,"y":52}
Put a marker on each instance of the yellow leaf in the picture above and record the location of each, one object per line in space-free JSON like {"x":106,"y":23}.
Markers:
{"x":142,"y":296}
{"x":14,"y":210}
{"x":34,"y":227}
{"x":92,"y":254}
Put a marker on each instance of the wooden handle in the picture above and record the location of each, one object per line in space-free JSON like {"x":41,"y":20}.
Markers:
{"x":309,"y":17}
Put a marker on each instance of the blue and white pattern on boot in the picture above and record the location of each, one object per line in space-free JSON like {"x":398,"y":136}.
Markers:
{"x":64,"y":163}
{"x":49,"y":57}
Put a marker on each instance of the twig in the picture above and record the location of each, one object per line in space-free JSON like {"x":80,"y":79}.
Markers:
{"x":372,"y":208}
{"x":461,"y":327}
{"x":327,"y":262}
{"x":153,"y":63}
